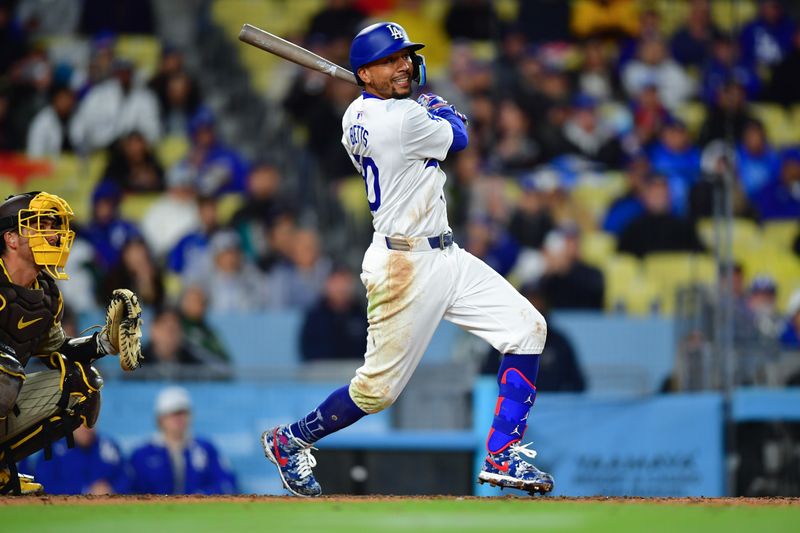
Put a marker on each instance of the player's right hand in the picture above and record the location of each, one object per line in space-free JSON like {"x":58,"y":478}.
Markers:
{"x":431,"y":101}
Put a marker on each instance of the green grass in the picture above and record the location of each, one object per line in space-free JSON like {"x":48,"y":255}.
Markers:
{"x":384,"y":516}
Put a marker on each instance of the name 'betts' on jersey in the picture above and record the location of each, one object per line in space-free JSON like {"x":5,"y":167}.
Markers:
{"x":396,"y":145}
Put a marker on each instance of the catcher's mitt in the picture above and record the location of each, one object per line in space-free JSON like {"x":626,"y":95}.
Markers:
{"x":123,"y":329}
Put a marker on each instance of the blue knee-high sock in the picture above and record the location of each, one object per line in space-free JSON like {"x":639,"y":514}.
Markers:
{"x":337,"y":412}
{"x":517,"y":380}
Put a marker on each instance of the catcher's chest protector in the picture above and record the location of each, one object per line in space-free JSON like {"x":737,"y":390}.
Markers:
{"x":26,"y":315}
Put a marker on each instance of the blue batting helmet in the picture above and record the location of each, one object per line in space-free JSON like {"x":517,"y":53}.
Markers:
{"x":380,"y":40}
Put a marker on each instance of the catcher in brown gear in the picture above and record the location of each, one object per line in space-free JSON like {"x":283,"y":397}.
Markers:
{"x":40,"y":408}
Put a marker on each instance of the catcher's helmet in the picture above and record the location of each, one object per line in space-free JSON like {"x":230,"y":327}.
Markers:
{"x":380,"y":40}
{"x":49,"y":241}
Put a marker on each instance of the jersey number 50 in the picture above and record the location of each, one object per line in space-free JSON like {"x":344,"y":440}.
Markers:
{"x":373,"y":196}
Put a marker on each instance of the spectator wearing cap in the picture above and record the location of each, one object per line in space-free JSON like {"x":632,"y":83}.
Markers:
{"x":589,"y":136}
{"x":568,"y":282}
{"x":335,"y":327}
{"x":725,"y":67}
{"x":133,"y":165}
{"x":790,"y":336}
{"x":232,"y":281}
{"x":676,"y":157}
{"x":192,"y":248}
{"x":211,"y":167}
{"x":767,"y":40}
{"x":630,"y":205}
{"x":113,"y":108}
{"x":48,"y":134}
{"x":691,"y":42}
{"x":107,"y":231}
{"x":653,"y":65}
{"x":763,"y":307}
{"x":658,"y":229}
{"x":780,"y":199}
{"x":175,"y":461}
{"x":757,"y":163}
{"x":95,"y":465}
{"x":727,"y":116}
{"x":531,"y":220}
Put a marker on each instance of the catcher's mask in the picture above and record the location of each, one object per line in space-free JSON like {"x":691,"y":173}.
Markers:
{"x":44,"y":220}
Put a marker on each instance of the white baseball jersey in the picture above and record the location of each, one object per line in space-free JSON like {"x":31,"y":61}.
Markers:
{"x":396,"y":145}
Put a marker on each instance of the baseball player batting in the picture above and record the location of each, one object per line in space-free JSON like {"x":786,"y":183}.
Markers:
{"x":415,"y":274}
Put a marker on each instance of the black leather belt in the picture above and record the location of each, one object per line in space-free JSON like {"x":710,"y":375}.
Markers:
{"x":438,"y":242}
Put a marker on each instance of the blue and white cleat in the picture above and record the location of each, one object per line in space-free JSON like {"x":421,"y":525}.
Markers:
{"x":507,"y":469}
{"x":293,"y":458}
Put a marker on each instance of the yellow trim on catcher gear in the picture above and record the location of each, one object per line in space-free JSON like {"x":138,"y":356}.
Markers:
{"x":63,"y":369}
{"x":10,"y":373}
{"x":3,"y":304}
{"x":27,"y":438}
{"x":85,"y":379}
{"x":3,"y":265}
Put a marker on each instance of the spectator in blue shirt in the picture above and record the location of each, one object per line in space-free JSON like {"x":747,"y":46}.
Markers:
{"x":757,"y":164}
{"x":626,"y":208}
{"x":691,"y":42}
{"x":107,"y":232}
{"x":780,"y":199}
{"x":212,"y":167}
{"x":175,"y":462}
{"x":94,"y":466}
{"x":724,"y":67}
{"x":766,"y":40}
{"x":677,"y":158}
{"x":790,"y":337}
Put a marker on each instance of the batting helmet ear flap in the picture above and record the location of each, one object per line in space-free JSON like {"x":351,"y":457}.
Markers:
{"x":420,"y":74}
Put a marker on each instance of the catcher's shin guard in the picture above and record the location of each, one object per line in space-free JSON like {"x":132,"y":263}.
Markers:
{"x":50,"y":405}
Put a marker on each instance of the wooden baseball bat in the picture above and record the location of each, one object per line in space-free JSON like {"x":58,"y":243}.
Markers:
{"x":292,"y":52}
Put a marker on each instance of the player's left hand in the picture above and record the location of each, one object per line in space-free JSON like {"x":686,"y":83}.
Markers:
{"x":122,"y":333}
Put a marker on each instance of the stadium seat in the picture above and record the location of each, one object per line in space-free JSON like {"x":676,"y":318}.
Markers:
{"x":597,"y":247}
{"x":134,"y":206}
{"x":692,"y":114}
{"x":746,"y":236}
{"x":780,"y":234}
{"x":595,"y":193}
{"x":172,"y":149}
{"x":670,"y":271}
{"x":729,"y":17}
{"x":780,"y":130}
{"x":619,"y":271}
{"x":143,"y":50}
{"x":227,"y":206}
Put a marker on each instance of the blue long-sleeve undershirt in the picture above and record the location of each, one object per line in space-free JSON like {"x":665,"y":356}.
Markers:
{"x":460,"y":137}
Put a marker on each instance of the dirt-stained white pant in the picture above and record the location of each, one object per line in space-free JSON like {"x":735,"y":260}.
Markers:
{"x":409,"y":293}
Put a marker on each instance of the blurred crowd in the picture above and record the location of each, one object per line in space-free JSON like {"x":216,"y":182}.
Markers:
{"x":172,"y":461}
{"x":588,"y":89}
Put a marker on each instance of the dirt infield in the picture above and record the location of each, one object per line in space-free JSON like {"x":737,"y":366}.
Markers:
{"x":148,"y":498}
